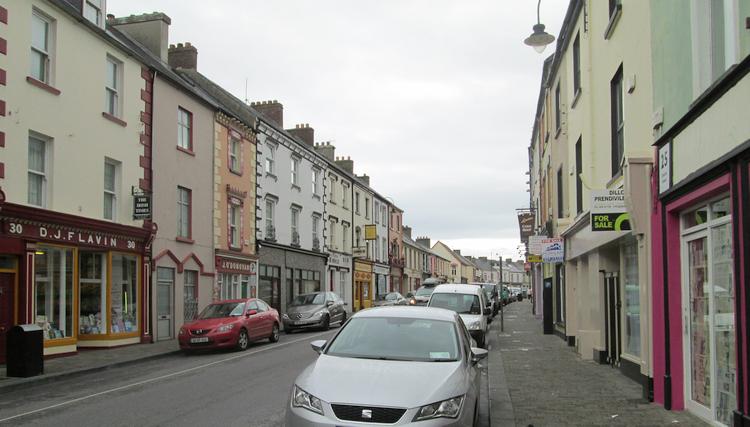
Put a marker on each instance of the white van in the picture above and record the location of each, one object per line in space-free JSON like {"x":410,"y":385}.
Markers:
{"x":469,"y":302}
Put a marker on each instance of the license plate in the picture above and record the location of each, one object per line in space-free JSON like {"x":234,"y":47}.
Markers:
{"x":197,"y":340}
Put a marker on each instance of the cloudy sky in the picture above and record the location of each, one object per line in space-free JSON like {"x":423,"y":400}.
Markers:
{"x":433,"y":99}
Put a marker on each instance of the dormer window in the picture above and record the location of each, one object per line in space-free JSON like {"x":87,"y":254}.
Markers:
{"x":93,"y":11}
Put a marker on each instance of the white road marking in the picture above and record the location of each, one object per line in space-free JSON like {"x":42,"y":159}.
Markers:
{"x":151,"y":380}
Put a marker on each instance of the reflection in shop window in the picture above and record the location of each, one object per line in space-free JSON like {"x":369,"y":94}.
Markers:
{"x":124,"y":294}
{"x":92,"y":287}
{"x":632,"y":299}
{"x":53,"y":287}
{"x":269,"y":285}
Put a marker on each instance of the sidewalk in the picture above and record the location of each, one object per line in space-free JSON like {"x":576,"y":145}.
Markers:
{"x":544,"y":383}
{"x":90,"y":360}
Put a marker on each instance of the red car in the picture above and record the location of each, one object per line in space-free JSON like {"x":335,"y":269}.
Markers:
{"x":231,"y":324}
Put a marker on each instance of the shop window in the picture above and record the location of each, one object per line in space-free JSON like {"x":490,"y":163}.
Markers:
{"x":302,"y":282}
{"x":632,"y":298}
{"x":92,"y":289}
{"x":269,"y":285}
{"x":53,"y":292}
{"x":124,"y":294}
{"x":230,"y":286}
{"x":190,"y":294}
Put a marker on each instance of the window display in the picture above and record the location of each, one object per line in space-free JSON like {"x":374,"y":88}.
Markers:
{"x":632,"y":299}
{"x":92,"y":283}
{"x":269,"y":285}
{"x":53,"y":291}
{"x":124,"y":294}
{"x":723,"y":322}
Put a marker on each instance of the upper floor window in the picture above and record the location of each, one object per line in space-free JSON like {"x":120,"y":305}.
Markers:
{"x":269,"y":215}
{"x":577,"y":64}
{"x":560,"y":194}
{"x":235,"y":155}
{"x":235,"y":219}
{"x":271,"y":159}
{"x":345,"y":195}
{"x":332,"y":189}
{"x":295,"y":224}
{"x":38,"y":171}
{"x":92,"y":10}
{"x":113,"y":87}
{"x":344,"y":236}
{"x":357,"y":237}
{"x":316,"y":231}
{"x":356,"y":203}
{"x":618,"y":125}
{"x":367,"y":208}
{"x":579,"y":180}
{"x":295,"y":171}
{"x":110,"y":190}
{"x":316,"y":181}
{"x":184,"y":129}
{"x":377,"y":212}
{"x":715,"y":39}
{"x":41,"y":42}
{"x":557,"y":106}
{"x":332,"y":233}
{"x":184,"y":208}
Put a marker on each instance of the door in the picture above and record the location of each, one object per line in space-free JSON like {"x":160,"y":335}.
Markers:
{"x":547,"y":306}
{"x":164,"y":303}
{"x":7,"y":281}
{"x":612,"y":326}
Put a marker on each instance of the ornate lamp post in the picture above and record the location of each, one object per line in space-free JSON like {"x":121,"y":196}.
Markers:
{"x":539,"y":39}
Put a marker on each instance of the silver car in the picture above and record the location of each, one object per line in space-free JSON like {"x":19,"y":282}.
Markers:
{"x":391,"y":365}
{"x":316,"y":310}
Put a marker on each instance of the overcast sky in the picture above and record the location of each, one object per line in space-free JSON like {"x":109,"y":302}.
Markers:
{"x":433,"y":99}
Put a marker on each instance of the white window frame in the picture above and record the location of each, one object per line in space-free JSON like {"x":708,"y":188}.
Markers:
{"x":44,"y":174}
{"x":46,"y":52}
{"x":186,"y":206}
{"x":269,"y":213}
{"x":112,"y":193}
{"x":701,"y":32}
{"x":271,"y":159}
{"x":235,"y":155}
{"x":295,"y":170}
{"x":112,"y":99}
{"x":294,"y":212}
{"x":316,"y":225}
{"x":332,"y":233}
{"x":184,"y":129}
{"x":98,"y":6}
{"x":344,"y":234}
{"x":376,"y":211}
{"x":316,"y":181}
{"x":234,"y":225}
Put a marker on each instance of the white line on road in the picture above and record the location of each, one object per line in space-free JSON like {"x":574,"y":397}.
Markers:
{"x":151,"y":380}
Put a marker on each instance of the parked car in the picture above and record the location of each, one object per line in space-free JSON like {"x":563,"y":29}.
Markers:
{"x":391,"y":298}
{"x":231,"y":323}
{"x":316,"y":310}
{"x":363,"y":374}
{"x":422,"y":295}
{"x":469,"y":302}
{"x":492,"y":295}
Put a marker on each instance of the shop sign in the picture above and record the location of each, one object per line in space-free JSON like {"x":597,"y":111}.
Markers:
{"x":533,"y":258}
{"x":61,"y":235}
{"x":371,"y":232}
{"x":362,"y":276}
{"x":339,"y":260}
{"x":359,"y":251}
{"x":526,"y":225}
{"x":380,"y":270}
{"x":553,"y":250}
{"x":141,"y":206}
{"x":665,"y":167}
{"x":231,"y":265}
{"x":608,"y":210}
{"x":535,"y":244}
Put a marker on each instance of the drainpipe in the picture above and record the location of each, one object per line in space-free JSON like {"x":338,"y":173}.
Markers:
{"x":665,"y":278}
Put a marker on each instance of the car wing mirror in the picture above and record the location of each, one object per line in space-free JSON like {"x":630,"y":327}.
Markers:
{"x":318,"y":345}
{"x":477,"y":354}
{"x":329,"y":303}
{"x":252,"y":313}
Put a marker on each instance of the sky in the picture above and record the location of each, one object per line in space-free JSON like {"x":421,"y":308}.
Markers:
{"x":433,"y":99}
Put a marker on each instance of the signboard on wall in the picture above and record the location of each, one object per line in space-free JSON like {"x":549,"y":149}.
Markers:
{"x":533,"y":258}
{"x":665,"y":167}
{"x":526,"y":225}
{"x":608,"y":210}
{"x":535,"y":244}
{"x":359,"y":251}
{"x":141,"y":206}
{"x":553,"y":250}
{"x":371,"y":232}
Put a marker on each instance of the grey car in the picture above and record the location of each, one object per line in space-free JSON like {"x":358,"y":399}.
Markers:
{"x":391,"y":298}
{"x":391,"y":365}
{"x":315,"y":310}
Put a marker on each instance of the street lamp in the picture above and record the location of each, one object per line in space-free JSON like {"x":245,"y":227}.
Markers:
{"x":539,"y":39}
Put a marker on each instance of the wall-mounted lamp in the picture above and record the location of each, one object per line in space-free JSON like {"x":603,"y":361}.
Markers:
{"x":539,"y":39}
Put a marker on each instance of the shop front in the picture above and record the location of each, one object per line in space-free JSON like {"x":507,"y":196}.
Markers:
{"x":363,"y":285}
{"x":285,"y":273}
{"x":381,"y":275}
{"x":84,"y":282}
{"x":339,"y":275}
{"x":236,"y":277}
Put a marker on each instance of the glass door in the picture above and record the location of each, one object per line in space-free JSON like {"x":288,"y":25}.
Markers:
{"x":722,"y":315}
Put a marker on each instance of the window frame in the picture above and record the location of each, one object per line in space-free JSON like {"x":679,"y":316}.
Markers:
{"x":316,"y":181}
{"x":579,"y":171}
{"x":234,"y":226}
{"x":271,"y":159}
{"x":234,"y":160}
{"x":44,"y":174}
{"x":560,"y":194}
{"x":47,"y":53}
{"x":270,"y":215}
{"x":113,"y":106}
{"x":617,"y":124}
{"x":113,"y":192}
{"x":188,"y":206}
{"x":184,"y":129}
{"x":99,"y":9}
{"x":577,"y":65}
{"x":558,"y":121}
{"x":295,"y":212}
{"x":295,"y":163}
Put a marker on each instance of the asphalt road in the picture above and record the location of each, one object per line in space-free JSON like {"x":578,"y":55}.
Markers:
{"x":248,"y":388}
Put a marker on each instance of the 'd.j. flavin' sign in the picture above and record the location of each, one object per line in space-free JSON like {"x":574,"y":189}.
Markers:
{"x":608,"y":211}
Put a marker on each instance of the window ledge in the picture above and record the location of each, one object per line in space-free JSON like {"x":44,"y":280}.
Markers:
{"x":613,"y":20}
{"x":238,"y":173}
{"x":184,"y":240}
{"x":296,"y":187}
{"x":576,"y":97}
{"x":43,"y":86}
{"x":315,"y":196}
{"x":114,"y":119}
{"x":616,"y":177}
{"x":235,"y":248}
{"x":186,"y":151}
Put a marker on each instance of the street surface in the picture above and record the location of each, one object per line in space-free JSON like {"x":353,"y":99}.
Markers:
{"x":207,"y":389}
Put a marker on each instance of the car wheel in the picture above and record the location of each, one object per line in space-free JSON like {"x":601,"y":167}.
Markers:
{"x":325,"y":324}
{"x":481,"y":341}
{"x":274,"y":333}
{"x":243,"y":341}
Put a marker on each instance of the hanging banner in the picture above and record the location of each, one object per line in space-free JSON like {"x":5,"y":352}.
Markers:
{"x":526,"y":225}
{"x":608,"y":210}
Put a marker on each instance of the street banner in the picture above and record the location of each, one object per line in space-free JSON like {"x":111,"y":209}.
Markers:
{"x":553,"y":250}
{"x":608,"y":211}
{"x":371,"y":232}
{"x":526,"y":225}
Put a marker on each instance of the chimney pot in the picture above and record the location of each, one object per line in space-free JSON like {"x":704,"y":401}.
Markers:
{"x":179,"y":45}
{"x":305,"y":133}
{"x":271,"y":111}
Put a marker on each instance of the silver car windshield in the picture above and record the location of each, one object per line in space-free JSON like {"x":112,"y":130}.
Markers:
{"x":392,"y":338}
{"x":460,"y":303}
{"x":309,"y":299}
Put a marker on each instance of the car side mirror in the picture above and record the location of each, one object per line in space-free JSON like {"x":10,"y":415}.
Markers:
{"x":477,"y":354}
{"x":318,"y":345}
{"x":252,"y":313}
{"x":329,"y":303}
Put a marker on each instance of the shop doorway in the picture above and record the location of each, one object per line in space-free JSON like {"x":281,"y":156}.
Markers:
{"x":7,"y":284}
{"x":164,"y":303}
{"x":708,"y":303}
{"x":612,"y":324}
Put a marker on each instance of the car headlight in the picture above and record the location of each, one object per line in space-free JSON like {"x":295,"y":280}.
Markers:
{"x":319,"y":313}
{"x":449,"y":408}
{"x":412,"y":302}
{"x":474,"y":325}
{"x":224,"y":328}
{"x":303,"y":399}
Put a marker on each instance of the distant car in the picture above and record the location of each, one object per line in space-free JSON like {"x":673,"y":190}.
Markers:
{"x":391,"y":366}
{"x":230,"y":323}
{"x":422,"y":295}
{"x":469,"y":302}
{"x":493,"y":296}
{"x":391,"y":298}
{"x":315,"y":310}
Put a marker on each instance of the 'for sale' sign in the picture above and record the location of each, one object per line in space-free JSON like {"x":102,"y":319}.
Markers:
{"x":608,"y":210}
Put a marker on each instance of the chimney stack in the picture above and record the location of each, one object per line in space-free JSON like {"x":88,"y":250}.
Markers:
{"x":326,"y":150}
{"x":305,"y":133}
{"x":346,"y":164}
{"x":272,"y":110}
{"x":149,"y":29}
{"x":183,"y":56}
{"x":424,"y":241}
{"x":407,"y":231}
{"x":364,"y":179}
{"x":483,"y":258}
{"x":457,"y":251}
